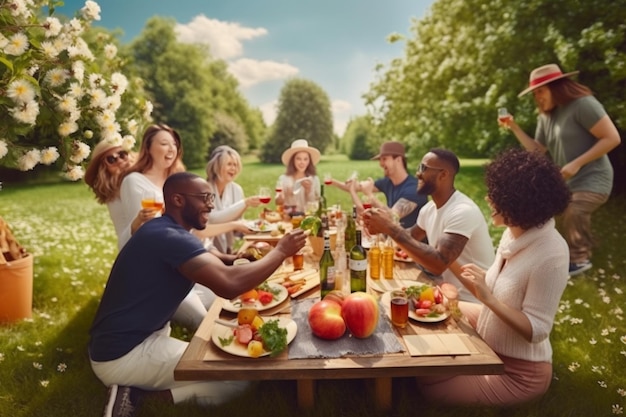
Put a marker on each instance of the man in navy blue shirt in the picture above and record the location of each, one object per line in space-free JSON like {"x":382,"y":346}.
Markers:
{"x":398,"y":186}
{"x":131,"y":350}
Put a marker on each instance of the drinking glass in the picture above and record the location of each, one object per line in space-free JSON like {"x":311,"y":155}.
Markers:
{"x":159,"y":205}
{"x":148,"y":199}
{"x":328,"y":178}
{"x":264,"y":195}
{"x":399,"y":308}
{"x":298,"y":261}
{"x":278,"y":187}
{"x":503,"y":115}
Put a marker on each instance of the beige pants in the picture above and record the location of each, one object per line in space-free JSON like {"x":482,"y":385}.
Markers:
{"x":575,"y":224}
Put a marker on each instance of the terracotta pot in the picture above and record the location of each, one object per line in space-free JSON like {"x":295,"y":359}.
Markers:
{"x":16,"y":290}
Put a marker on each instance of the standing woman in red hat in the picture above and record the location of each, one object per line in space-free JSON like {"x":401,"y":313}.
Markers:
{"x":576,"y":131}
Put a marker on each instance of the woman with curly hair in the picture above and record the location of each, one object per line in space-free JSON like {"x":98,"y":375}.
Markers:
{"x":520,"y":292}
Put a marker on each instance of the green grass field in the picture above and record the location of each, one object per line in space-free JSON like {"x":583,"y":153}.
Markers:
{"x":44,"y":369}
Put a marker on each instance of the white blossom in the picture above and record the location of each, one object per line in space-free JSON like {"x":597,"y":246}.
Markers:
{"x":49,"y":49}
{"x":110,"y":51}
{"x":80,"y":152}
{"x":49,"y":155}
{"x":26,"y":113}
{"x":75,"y":173}
{"x":78,"y":71}
{"x":52,"y":27}
{"x":119,"y":83}
{"x":56,"y":77}
{"x":128,"y":142}
{"x":66,"y":128}
{"x":4,"y":149}
{"x":18,"y":44}
{"x":28,"y":161}
{"x":21,"y":91}
{"x":91,"y":10}
{"x":67,"y":104}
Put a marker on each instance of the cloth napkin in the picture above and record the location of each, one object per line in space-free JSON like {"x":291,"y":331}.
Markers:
{"x":307,"y":345}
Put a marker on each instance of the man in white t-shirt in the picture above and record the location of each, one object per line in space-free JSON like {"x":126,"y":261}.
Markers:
{"x":455,"y":227}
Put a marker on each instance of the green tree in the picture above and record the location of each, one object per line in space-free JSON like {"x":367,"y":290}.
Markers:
{"x":190,"y":88}
{"x":303,"y":112}
{"x":359,"y":140}
{"x":229,"y":132}
{"x":468,"y":57}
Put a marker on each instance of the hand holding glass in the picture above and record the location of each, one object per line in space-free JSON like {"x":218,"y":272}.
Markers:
{"x":504,"y":117}
{"x":264,"y":195}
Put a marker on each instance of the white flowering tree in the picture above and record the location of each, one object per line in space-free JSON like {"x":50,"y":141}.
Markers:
{"x":59,"y":94}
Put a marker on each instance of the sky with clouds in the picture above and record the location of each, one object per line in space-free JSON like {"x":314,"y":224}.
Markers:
{"x":334,"y":43}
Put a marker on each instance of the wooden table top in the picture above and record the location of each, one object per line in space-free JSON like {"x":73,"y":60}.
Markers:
{"x":202,"y":360}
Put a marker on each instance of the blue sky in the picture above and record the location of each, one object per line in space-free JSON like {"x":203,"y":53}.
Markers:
{"x":334,"y":43}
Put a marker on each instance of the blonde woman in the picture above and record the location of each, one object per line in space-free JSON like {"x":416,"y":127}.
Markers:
{"x":222,"y":169}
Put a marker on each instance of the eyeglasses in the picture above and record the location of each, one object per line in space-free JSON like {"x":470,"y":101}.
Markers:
{"x":424,"y":167}
{"x":112,"y":159}
{"x":206,"y":197}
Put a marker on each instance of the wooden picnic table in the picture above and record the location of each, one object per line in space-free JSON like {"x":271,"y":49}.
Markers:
{"x":203,"y":360}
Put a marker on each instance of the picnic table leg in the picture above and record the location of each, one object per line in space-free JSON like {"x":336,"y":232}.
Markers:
{"x":383,"y":393}
{"x":306,"y":393}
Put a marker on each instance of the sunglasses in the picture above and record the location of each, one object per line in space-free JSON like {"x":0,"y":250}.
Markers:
{"x":112,"y":159}
{"x":206,"y":197}
{"x":424,"y":167}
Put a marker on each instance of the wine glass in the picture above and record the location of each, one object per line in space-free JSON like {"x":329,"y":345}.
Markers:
{"x":278,"y":188}
{"x":264,"y":195}
{"x":328,"y":178}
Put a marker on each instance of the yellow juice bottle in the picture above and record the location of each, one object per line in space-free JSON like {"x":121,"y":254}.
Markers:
{"x":387,"y":258}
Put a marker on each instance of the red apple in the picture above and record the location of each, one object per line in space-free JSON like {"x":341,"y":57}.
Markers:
{"x":326,"y":321}
{"x":336,"y":296}
{"x":360,"y":312}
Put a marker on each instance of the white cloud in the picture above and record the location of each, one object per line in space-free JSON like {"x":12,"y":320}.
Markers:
{"x":268,"y":110}
{"x":341,"y":106}
{"x":250,"y":71}
{"x":224,"y":38}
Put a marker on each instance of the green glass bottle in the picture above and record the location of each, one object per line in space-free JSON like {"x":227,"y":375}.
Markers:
{"x":321,"y":207}
{"x":358,"y":266}
{"x":350,"y":231}
{"x":327,"y":267}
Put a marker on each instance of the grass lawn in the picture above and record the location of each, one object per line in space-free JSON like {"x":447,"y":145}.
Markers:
{"x":44,"y":369}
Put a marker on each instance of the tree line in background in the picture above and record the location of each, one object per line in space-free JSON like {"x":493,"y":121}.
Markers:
{"x":460,"y":62}
{"x":469,"y":57}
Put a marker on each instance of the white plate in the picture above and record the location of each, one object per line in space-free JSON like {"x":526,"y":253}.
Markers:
{"x":234,"y":305}
{"x":384,"y":285}
{"x":261,"y":226}
{"x":386,"y":300}
{"x":224,"y":332}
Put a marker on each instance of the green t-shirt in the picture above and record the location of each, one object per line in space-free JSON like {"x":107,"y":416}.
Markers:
{"x":565,"y":133}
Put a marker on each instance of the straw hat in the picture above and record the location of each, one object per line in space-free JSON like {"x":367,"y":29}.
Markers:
{"x":544,"y":75}
{"x":300,"y":145}
{"x":96,"y":155}
{"x":390,"y":148}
